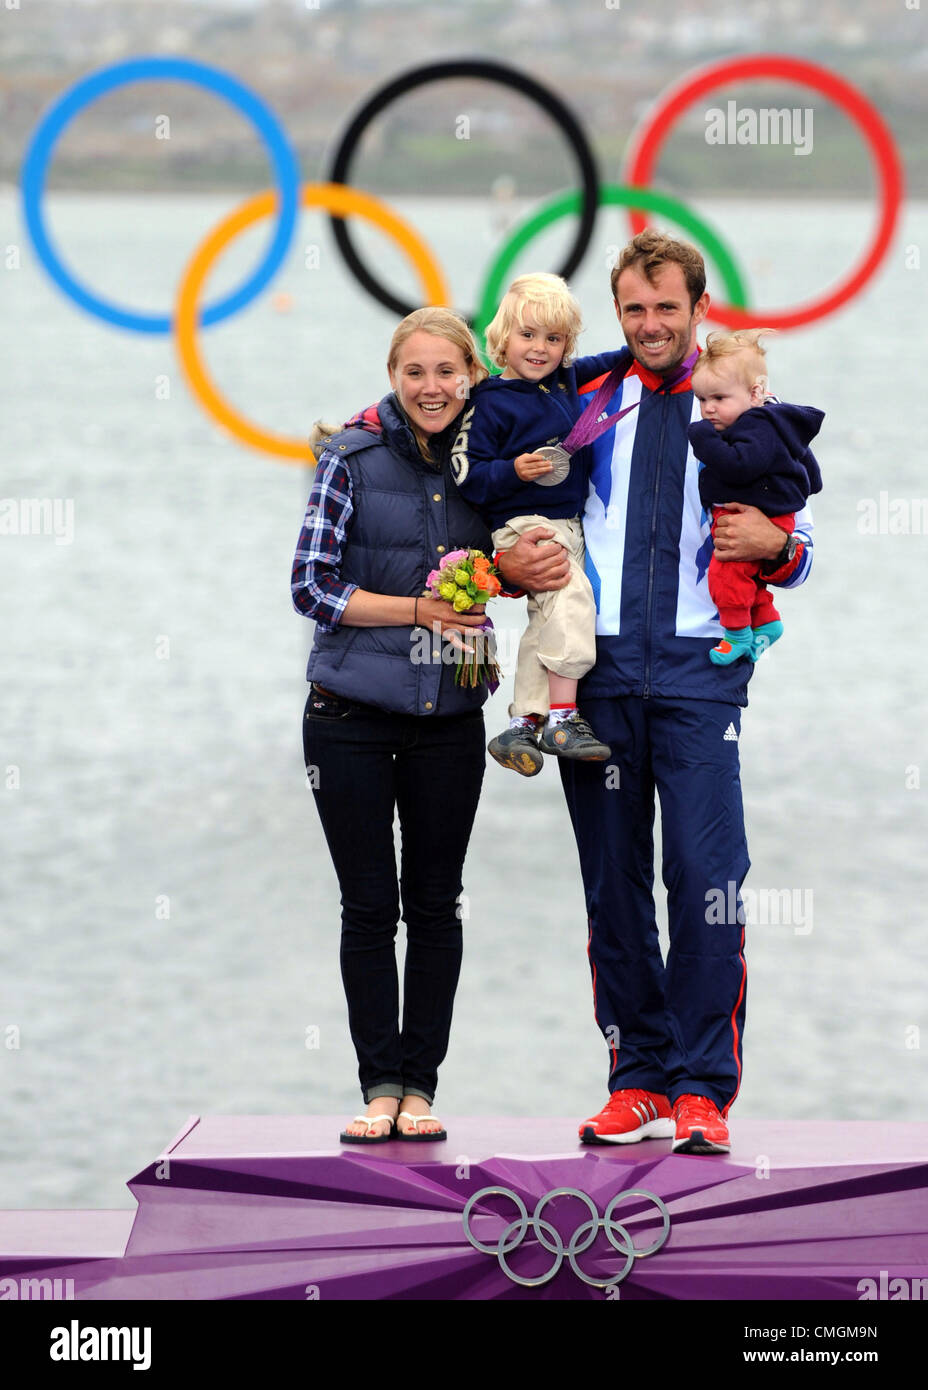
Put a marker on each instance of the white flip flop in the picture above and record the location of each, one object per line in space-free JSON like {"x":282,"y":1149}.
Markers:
{"x":370,"y":1121}
{"x":415,"y":1137}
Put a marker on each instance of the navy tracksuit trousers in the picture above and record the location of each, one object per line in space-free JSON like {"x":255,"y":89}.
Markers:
{"x":674,"y":1028}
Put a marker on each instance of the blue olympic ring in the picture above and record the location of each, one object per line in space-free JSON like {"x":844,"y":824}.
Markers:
{"x":35,"y":168}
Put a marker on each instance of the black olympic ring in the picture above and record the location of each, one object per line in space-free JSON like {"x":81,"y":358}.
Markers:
{"x":515,"y":1233}
{"x":550,"y":103}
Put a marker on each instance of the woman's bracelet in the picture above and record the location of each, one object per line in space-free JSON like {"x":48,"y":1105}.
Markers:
{"x":415,"y":614}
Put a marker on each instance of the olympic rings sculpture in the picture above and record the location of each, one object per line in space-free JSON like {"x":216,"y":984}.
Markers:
{"x":490,"y":72}
{"x":651,"y":134}
{"x":336,"y":198}
{"x":342,"y":201}
{"x":38,"y":157}
{"x":582,"y":1238}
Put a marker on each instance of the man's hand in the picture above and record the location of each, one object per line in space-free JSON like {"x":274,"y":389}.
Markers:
{"x":530,"y":466}
{"x":533,"y":563}
{"x":747,"y":535}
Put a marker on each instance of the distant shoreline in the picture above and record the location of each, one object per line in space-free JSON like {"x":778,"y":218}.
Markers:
{"x":759,"y":195}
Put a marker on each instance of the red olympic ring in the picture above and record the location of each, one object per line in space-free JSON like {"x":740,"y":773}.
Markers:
{"x":653,"y":132}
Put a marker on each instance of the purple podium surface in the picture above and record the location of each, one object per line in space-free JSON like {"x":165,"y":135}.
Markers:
{"x":273,"y":1207}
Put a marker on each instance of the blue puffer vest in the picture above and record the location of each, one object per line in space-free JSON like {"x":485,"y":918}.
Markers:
{"x":406,"y":515}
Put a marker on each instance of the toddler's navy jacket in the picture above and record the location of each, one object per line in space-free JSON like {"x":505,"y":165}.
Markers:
{"x":512,"y":417}
{"x":762,"y":459}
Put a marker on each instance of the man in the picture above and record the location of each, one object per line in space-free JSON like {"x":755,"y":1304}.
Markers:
{"x":672,"y":719}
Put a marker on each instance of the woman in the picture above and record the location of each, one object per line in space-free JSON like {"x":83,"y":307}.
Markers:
{"x":383,"y":729}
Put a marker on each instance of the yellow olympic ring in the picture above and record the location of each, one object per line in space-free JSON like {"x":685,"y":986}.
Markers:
{"x":337,"y":199}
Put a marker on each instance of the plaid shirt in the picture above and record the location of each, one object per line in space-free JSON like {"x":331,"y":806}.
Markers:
{"x":317,"y":590}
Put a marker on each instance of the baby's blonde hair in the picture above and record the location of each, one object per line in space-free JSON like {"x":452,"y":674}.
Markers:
{"x":739,"y":352}
{"x":551,"y":305}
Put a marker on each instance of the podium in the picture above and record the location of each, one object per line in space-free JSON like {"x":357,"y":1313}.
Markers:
{"x":273,"y":1207}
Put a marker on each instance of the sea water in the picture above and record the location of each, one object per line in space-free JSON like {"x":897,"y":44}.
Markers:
{"x":170,"y":915}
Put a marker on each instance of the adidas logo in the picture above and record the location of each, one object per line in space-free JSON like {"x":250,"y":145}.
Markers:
{"x":731,"y":734}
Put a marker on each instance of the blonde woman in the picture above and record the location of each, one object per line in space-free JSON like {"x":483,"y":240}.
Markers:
{"x":385,"y":733}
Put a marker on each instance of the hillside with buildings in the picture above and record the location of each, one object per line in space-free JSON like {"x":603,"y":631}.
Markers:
{"x":314,"y":63}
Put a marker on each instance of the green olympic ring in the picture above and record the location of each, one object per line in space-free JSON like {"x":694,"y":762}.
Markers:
{"x":610,"y":195}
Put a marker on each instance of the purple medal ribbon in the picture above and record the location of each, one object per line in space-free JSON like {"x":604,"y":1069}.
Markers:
{"x":590,"y":427}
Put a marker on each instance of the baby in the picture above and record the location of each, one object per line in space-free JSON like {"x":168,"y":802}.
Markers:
{"x":755,"y":451}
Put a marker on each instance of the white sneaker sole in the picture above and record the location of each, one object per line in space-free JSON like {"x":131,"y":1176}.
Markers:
{"x":654,"y":1129}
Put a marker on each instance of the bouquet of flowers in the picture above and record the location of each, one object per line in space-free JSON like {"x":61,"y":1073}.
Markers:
{"x":464,"y":579}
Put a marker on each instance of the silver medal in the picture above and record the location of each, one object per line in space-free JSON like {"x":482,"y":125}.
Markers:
{"x":560,"y":461}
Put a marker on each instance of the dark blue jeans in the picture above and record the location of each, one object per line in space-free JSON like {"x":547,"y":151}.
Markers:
{"x":363,"y":763}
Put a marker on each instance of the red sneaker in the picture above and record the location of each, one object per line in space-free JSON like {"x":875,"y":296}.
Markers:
{"x":627,"y":1117}
{"x":700,"y":1128}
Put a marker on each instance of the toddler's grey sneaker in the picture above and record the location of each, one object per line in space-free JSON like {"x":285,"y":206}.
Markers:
{"x":518,"y":749}
{"x":573,"y":738}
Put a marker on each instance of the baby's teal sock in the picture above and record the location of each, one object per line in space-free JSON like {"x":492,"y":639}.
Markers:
{"x":736,"y":642}
{"x":764,"y":636}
